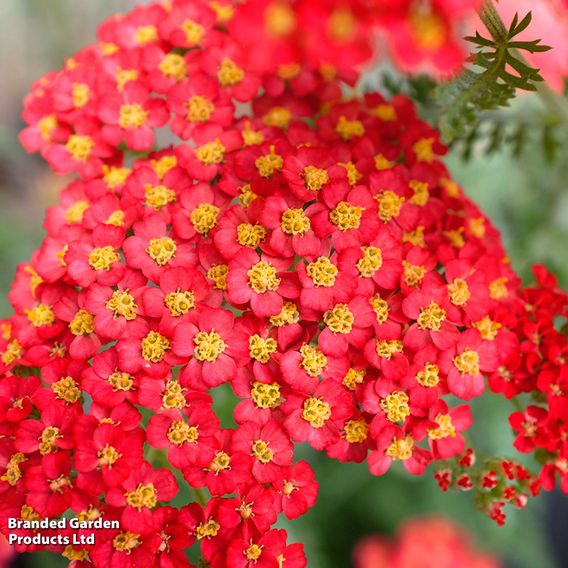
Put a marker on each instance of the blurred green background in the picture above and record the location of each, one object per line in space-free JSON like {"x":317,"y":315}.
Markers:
{"x":526,"y":199}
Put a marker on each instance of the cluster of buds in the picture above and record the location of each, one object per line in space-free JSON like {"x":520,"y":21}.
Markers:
{"x":306,"y":247}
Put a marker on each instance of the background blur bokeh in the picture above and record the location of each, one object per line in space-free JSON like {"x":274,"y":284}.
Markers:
{"x":526,"y":198}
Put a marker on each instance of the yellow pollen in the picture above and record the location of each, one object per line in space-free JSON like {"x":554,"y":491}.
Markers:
{"x":82,"y":323}
{"x":80,"y":147}
{"x":224,"y":12}
{"x":279,"y":19}
{"x":445,"y":428}
{"x":179,"y":303}
{"x":59,"y":483}
{"x":288,"y":71}
{"x":80,"y":94}
{"x":322,"y":272}
{"x":121,"y":303}
{"x":265,"y":395}
{"x":41,"y":315}
{"x":164,"y":165}
{"x":278,"y":116}
{"x":229,"y":73}
{"x":424,"y":151}
{"x":342,"y":25}
{"x":204,"y":217}
{"x":250,"y":235}
{"x":173,"y":396}
{"x":498,"y":289}
{"x":46,"y":125}
{"x":421,"y":193}
{"x":114,"y":176}
{"x":295,"y":222}
{"x":103,"y":258}
{"x":339,"y":319}
{"x":451,"y":187}
{"x":74,"y":214}
{"x":348,"y":129}
{"x":261,"y":349}
{"x":371,"y":262}
{"x":467,"y":362}
{"x":13,"y":472}
{"x":126,"y":541}
{"x":132,"y":116}
{"x":477,"y":227}
{"x":313,"y":360}
{"x":108,"y":48}
{"x":431,"y":317}
{"x":381,"y":163}
{"x":459,"y":292}
{"x":346,"y":216}
{"x":400,"y":449}
{"x":353,"y":378}
{"x":270,"y":163}
{"x":316,"y":411}
{"x":455,"y":237}
{"x":314,"y":178}
{"x":144,"y":496}
{"x":199,"y":109}
{"x":488,"y":329}
{"x":173,"y":65}
{"x":13,"y":352}
{"x":161,"y":250}
{"x":261,"y":451}
{"x":251,"y":137}
{"x":116,"y":218}
{"x":415,"y":237}
{"x":180,"y":433}
{"x":356,"y":431}
{"x":146,"y":34}
{"x":429,"y":377}
{"x":396,"y":407}
{"x":385,"y":112}
{"x":48,"y":440}
{"x":208,"y":529}
{"x":211,"y":153}
{"x":287,"y":316}
{"x":35,"y":281}
{"x":427,"y":29}
{"x":218,"y":274}
{"x":66,"y":389}
{"x":194,"y":32}
{"x":262,"y":277}
{"x":353,"y":174}
{"x":27,"y":513}
{"x":253,"y":552}
{"x":124,"y":76}
{"x":380,"y":307}
{"x":91,"y":514}
{"x":208,"y":346}
{"x":413,"y":274}
{"x":120,"y":381}
{"x":220,"y":462}
{"x":154,"y":347}
{"x":75,"y":554}
{"x":386,"y":348}
{"x":390,"y":205}
{"x":108,"y":456}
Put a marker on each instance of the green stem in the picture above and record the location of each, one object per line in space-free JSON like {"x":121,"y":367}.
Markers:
{"x":493,"y":22}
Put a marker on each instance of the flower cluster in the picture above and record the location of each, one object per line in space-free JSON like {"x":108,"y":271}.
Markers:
{"x":305,"y":247}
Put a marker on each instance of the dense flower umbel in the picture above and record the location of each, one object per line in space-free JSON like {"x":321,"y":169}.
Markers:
{"x":312,"y":252}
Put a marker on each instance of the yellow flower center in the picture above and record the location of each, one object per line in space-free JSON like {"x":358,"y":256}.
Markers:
{"x":224,"y":12}
{"x":380,"y":307}
{"x":82,"y":323}
{"x":295,"y":222}
{"x":120,"y":381}
{"x":179,"y":303}
{"x":346,"y":216}
{"x":66,"y":389}
{"x":313,"y":360}
{"x":424,"y":151}
{"x":126,"y":541}
{"x":421,"y":193}
{"x":103,"y":258}
{"x":220,"y":462}
{"x":13,"y":472}
{"x":427,"y":29}
{"x":116,"y":218}
{"x":382,"y":163}
{"x":269,"y":163}
{"x":371,"y":262}
{"x":413,"y":274}
{"x":395,"y":405}
{"x":211,"y":153}
{"x":173,"y":396}
{"x":144,"y":496}
{"x":80,"y":94}
{"x":348,"y":129}
{"x":229,"y":73}
{"x":74,"y":214}
{"x":261,"y":451}
{"x":278,"y":117}
{"x":13,"y":352}
{"x":488,"y":329}
{"x":385,"y":112}
{"x":386,"y":348}
{"x":279,"y":19}
{"x":353,"y":377}
{"x":173,"y":65}
{"x":154,"y":347}
{"x":199,"y":109}
{"x":287,"y":316}
{"x":251,"y":137}
{"x":265,"y":395}
{"x":194,"y":32}
{"x":208,"y":529}
{"x":342,"y":25}
{"x":208,"y":346}
{"x":415,"y":237}
{"x":181,"y":432}
{"x":146,"y":34}
{"x":322,"y":272}
{"x":429,"y":377}
{"x":108,"y":456}
{"x":390,"y":205}
{"x":498,"y":289}
{"x":477,"y":227}
{"x":46,"y":126}
{"x":261,"y":349}
{"x":445,"y":428}
{"x":158,"y":196}
{"x":132,"y":116}
{"x":253,"y":552}
{"x":124,"y":76}
{"x":288,"y":71}
{"x":459,"y":292}
{"x":114,"y":176}
{"x":218,"y":274}
{"x":314,"y":178}
{"x":262,"y":277}
{"x":41,"y":315}
{"x":431,"y":317}
{"x":164,"y":165}
{"x":27,"y":513}
{"x":48,"y":440}
{"x":356,"y":431}
{"x":161,"y":250}
{"x":467,"y":362}
{"x":316,"y":411}
{"x":121,"y":303}
{"x":353,"y":175}
{"x":80,"y":147}
{"x":204,"y":217}
{"x":250,"y":235}
{"x":339,"y":319}
{"x":400,"y":449}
